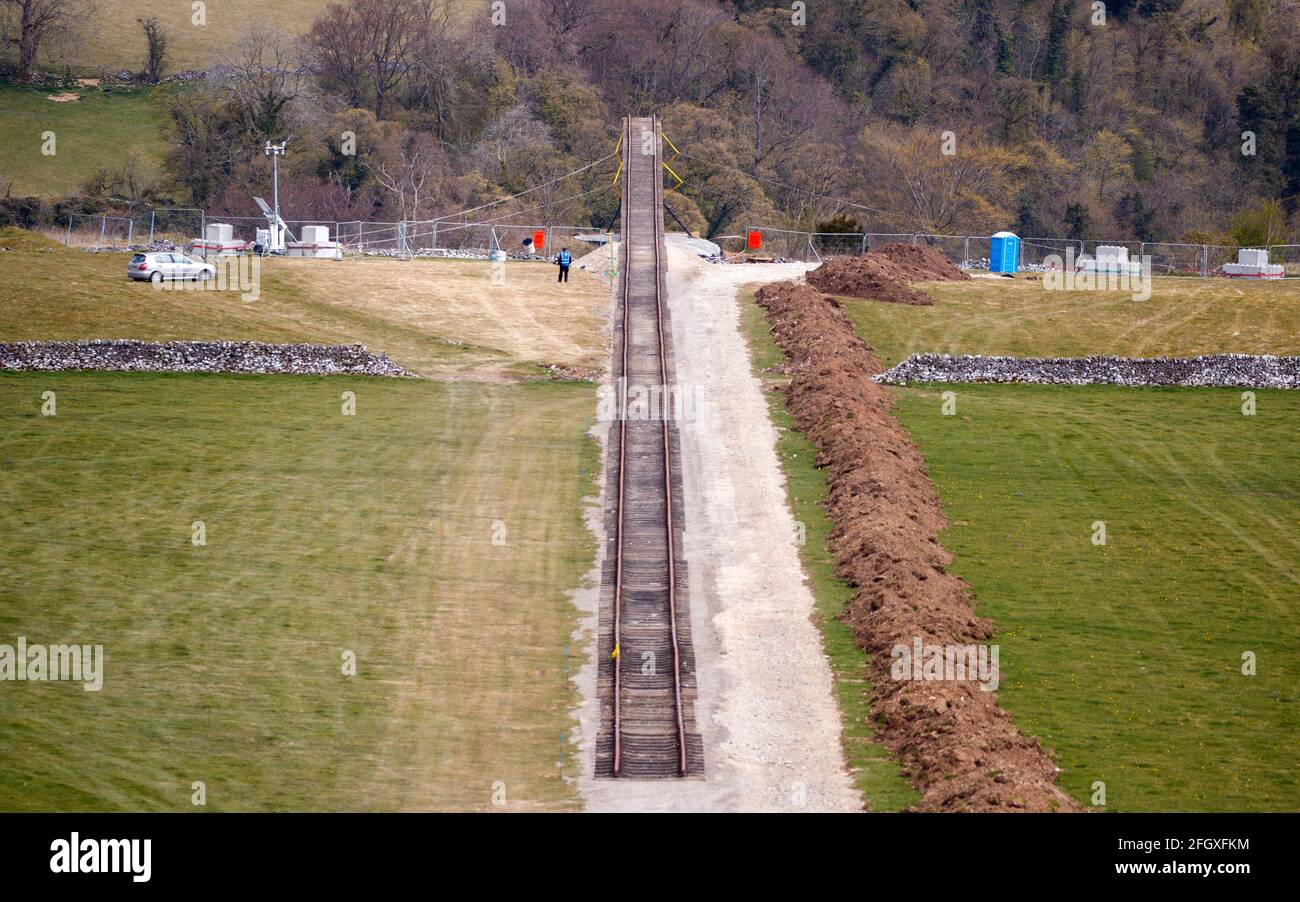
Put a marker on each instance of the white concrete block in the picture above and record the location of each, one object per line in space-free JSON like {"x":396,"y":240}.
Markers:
{"x":220,"y":232}
{"x":314,"y":234}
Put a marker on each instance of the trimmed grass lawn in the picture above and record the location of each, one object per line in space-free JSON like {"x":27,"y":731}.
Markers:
{"x":1126,"y":659}
{"x":876,"y":774}
{"x":445,"y":318}
{"x":1183,"y":317}
{"x":325,"y":534}
{"x":97,"y":131}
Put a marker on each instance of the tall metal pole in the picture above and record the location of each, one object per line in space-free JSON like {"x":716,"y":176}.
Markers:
{"x":275,"y":151}
{"x":275,"y":181}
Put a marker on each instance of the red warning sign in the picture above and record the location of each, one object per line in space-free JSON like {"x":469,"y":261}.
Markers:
{"x":539,"y":239}
{"x":755,"y":240}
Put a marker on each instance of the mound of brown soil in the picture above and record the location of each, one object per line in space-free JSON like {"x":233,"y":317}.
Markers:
{"x":922,"y":263}
{"x":957,"y":746}
{"x":887,"y":274}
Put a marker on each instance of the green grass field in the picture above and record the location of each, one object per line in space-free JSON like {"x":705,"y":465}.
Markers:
{"x":876,"y":774}
{"x":445,"y":318}
{"x":1126,"y":658}
{"x":98,"y":131}
{"x":1183,"y":317}
{"x":325,"y":534}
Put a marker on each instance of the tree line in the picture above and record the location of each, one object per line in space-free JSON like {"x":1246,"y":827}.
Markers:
{"x":1133,"y":119}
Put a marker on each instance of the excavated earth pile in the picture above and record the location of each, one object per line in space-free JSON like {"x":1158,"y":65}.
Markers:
{"x":887,"y":274}
{"x":959,"y":748}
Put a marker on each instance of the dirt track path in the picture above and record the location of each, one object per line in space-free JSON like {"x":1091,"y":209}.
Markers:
{"x":770,"y":723}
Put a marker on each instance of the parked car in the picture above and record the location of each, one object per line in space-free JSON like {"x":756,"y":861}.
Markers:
{"x":167,"y":267}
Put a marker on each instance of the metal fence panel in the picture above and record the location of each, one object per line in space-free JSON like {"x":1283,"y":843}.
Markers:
{"x":836,"y":244}
{"x":955,"y":247}
{"x":978,"y":251}
{"x":177,"y":226}
{"x":98,"y":231}
{"x":787,"y":243}
{"x":1168,"y":259}
{"x":1042,"y":252}
{"x":1288,"y":255}
{"x":1134,"y":247}
{"x":561,"y":236}
{"x":874,"y":241}
{"x":1217,"y":255}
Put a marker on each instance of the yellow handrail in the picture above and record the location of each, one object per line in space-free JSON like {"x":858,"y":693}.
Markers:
{"x":680,"y":181}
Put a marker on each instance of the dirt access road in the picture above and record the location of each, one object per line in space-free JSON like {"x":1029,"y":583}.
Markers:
{"x":766,"y":710}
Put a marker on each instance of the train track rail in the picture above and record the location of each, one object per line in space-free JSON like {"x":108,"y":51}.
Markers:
{"x":647,"y":672}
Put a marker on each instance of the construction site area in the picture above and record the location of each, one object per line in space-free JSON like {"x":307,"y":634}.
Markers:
{"x":410,"y":406}
{"x":748,"y":564}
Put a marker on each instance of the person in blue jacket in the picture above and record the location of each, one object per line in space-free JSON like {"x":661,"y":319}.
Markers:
{"x":564,"y":258}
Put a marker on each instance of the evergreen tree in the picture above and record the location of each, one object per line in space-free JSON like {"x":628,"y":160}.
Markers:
{"x":1058,"y":31}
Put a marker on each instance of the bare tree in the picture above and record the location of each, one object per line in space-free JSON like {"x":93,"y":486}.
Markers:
{"x":408,"y":171}
{"x":337,"y":55}
{"x":265,"y":78}
{"x":760,"y":65}
{"x":367,"y":47}
{"x":435,"y":84}
{"x":156,"y":39}
{"x":935,"y":192}
{"x":31,"y":23}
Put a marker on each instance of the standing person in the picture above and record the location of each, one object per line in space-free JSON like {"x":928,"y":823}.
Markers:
{"x":564,"y":258}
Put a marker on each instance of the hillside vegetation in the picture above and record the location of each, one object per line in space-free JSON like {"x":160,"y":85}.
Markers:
{"x":93,"y":130}
{"x":1146,"y":119}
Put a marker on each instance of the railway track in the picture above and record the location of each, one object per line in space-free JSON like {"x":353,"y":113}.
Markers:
{"x":646,"y":678}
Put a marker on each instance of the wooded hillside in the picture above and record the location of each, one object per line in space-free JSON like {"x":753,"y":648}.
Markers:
{"x":1146,"y":119}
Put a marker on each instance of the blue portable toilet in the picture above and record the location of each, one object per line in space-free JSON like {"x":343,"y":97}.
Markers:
{"x":1004,"y":252}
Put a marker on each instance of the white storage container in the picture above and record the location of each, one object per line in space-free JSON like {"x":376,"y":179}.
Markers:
{"x":220,"y":232}
{"x":314,"y":234}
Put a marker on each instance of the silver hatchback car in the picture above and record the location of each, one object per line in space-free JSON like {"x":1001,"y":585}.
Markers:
{"x":167,"y":267}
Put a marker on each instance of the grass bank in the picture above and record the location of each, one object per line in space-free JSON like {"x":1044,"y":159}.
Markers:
{"x":433,"y":535}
